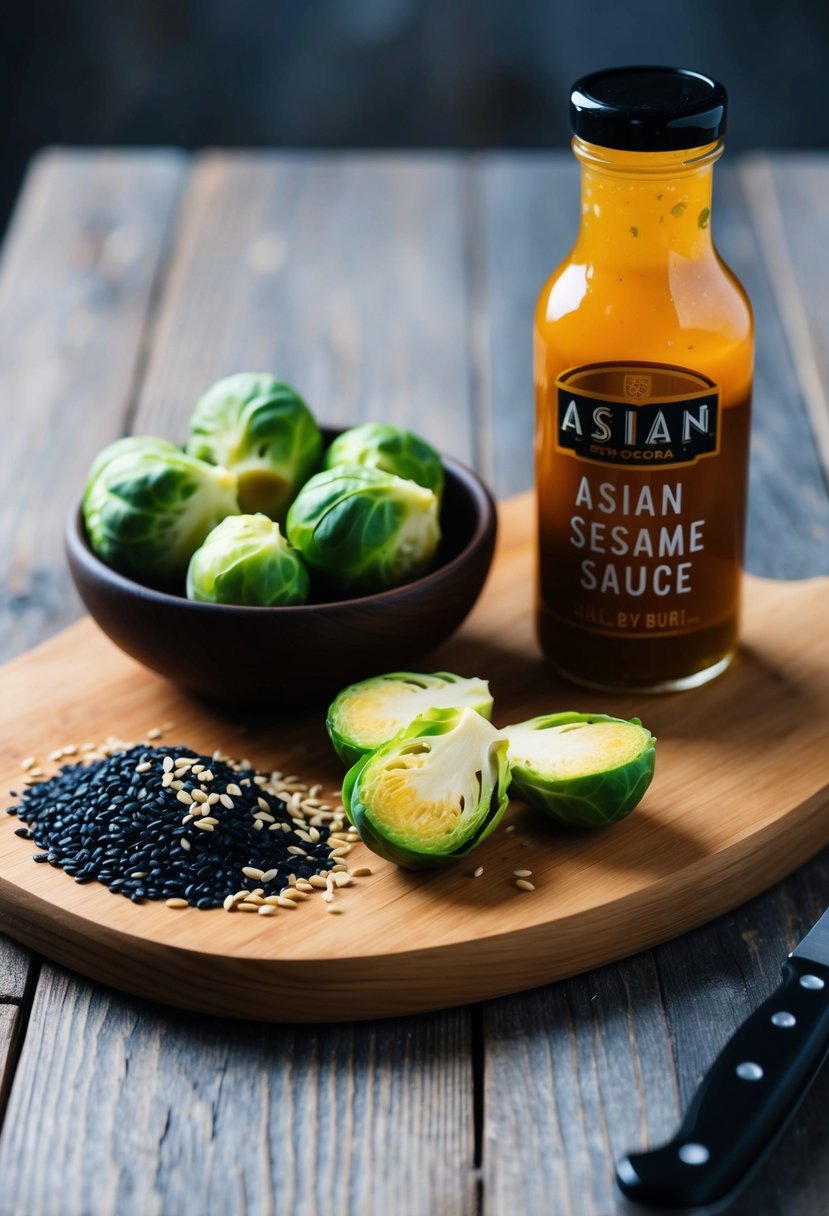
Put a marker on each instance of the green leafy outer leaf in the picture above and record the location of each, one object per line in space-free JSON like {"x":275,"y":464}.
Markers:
{"x":588,"y":798}
{"x":433,"y":793}
{"x":247,"y":560}
{"x":390,"y":449}
{"x":148,"y":506}
{"x":263,"y":431}
{"x":365,"y":715}
{"x":365,"y":529}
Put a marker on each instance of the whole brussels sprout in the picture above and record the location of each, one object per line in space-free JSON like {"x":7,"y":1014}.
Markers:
{"x":586,"y":770}
{"x":433,"y":793}
{"x":390,"y":449}
{"x":247,"y":560}
{"x":366,"y":715}
{"x":148,"y":506}
{"x":366,"y":530}
{"x":261,"y":430}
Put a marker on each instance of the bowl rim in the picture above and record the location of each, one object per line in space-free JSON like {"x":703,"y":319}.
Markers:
{"x":79,"y":549}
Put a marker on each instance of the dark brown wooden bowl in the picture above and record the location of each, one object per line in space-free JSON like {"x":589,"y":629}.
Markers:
{"x":304,"y":652}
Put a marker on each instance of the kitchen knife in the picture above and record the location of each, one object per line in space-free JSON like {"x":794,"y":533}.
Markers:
{"x":748,"y":1095}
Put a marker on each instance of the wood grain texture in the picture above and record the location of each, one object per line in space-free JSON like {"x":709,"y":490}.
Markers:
{"x":343,"y":275}
{"x":788,"y":199}
{"x":10,"y":1018}
{"x":152,"y":1113}
{"x":675,"y":863}
{"x":78,"y":272}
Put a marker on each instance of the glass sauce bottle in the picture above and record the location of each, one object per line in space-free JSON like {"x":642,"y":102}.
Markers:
{"x":643,"y":364}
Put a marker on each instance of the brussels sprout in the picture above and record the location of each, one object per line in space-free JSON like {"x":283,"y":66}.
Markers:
{"x":247,"y":560}
{"x":262,"y":431}
{"x":390,"y":449}
{"x":365,"y":715}
{"x":148,"y":506}
{"x":434,"y":792}
{"x":366,"y":530}
{"x":586,"y":770}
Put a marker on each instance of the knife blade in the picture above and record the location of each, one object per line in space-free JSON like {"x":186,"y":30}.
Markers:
{"x":747,"y":1096}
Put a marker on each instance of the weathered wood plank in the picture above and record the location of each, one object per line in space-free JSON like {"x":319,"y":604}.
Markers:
{"x":14,"y":970}
{"x":120,"y":1106}
{"x":76,"y":282}
{"x":788,"y":522}
{"x":9,"y":1029}
{"x":343,"y":275}
{"x":575,"y":1073}
{"x":789,"y":199}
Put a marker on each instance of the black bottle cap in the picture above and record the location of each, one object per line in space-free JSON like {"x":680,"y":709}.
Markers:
{"x":648,"y":109}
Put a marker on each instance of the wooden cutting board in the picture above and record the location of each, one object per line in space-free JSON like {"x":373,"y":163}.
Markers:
{"x":739,"y":799}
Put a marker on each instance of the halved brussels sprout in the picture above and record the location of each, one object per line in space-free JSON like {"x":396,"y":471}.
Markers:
{"x":247,"y":560}
{"x":586,"y":770}
{"x":261,"y":430}
{"x":365,"y":715}
{"x":433,"y":793}
{"x":148,"y":506}
{"x":365,"y":530}
{"x":390,"y":449}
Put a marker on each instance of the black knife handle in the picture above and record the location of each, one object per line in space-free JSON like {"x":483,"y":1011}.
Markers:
{"x":743,"y":1102}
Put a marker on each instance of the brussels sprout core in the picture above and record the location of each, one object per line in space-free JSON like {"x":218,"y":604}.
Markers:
{"x":246,"y":560}
{"x":148,"y":506}
{"x":366,"y":715}
{"x":391,"y":449}
{"x":434,"y":792}
{"x":260,"y":428}
{"x":583,"y":769}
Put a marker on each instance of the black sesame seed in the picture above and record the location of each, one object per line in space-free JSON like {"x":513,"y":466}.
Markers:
{"x":95,"y":821}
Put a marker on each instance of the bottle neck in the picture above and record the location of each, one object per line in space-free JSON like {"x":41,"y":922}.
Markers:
{"x":645,"y":207}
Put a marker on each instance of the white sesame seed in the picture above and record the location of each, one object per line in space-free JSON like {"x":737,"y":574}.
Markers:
{"x":205,"y":775}
{"x":177,"y":903}
{"x":155,"y":733}
{"x":272,"y":899}
{"x":284,"y":902}
{"x":477,"y":873}
{"x":185,"y":844}
{"x":523,"y":885}
{"x":167,"y":780}
{"x":267,"y":910}
{"x":197,"y":768}
{"x":247,"y":907}
{"x":212,"y":799}
{"x":317,"y":880}
{"x":226,"y":802}
{"x":70,"y":750}
{"x":361,"y":872}
{"x":233,"y":790}
{"x":258,"y":825}
{"x":342,"y":880}
{"x":297,"y":851}
{"x":167,"y":764}
{"x":252,"y":872}
{"x":522,"y":873}
{"x":229,"y":903}
{"x":510,"y":827}
{"x":269,"y":875}
{"x":204,"y":826}
{"x":293,"y":893}
{"x":57,"y":753}
{"x":143,"y":768}
{"x":184,"y":797}
{"x":138,"y":874}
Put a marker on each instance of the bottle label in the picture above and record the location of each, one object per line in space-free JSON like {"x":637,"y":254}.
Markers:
{"x":641,"y":416}
{"x":641,"y":532}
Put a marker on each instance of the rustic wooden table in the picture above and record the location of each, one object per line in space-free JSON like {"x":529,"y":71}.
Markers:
{"x":397,"y":287}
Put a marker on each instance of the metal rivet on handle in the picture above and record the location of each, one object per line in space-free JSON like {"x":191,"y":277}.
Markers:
{"x":784,"y":1019}
{"x":694,"y":1154}
{"x":814,"y":982}
{"x":749,"y":1071}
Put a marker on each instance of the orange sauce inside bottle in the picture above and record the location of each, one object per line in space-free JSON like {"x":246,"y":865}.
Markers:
{"x":641,"y":461}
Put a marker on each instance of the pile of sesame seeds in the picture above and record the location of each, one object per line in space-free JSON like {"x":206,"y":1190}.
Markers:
{"x":163,"y":822}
